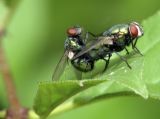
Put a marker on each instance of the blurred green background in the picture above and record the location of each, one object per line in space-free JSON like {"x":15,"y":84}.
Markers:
{"x":34,"y":44}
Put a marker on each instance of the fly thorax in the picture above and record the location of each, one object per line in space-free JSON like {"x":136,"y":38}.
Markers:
{"x":123,"y":30}
{"x":73,"y":44}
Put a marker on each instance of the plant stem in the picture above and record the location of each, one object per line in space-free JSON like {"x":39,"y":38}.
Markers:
{"x":11,"y":91}
{"x":2,"y":114}
{"x":16,"y":111}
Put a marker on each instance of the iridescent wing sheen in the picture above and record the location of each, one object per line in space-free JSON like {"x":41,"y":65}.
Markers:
{"x":60,"y":66}
{"x":100,"y":41}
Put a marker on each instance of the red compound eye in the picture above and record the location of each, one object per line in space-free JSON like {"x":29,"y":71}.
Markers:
{"x":133,"y":31}
{"x":72,"y":32}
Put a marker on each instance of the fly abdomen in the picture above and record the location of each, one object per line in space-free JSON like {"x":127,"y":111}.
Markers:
{"x":83,"y":64}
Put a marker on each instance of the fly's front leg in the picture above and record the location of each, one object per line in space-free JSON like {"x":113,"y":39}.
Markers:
{"x":134,"y":44}
{"x":124,"y":59}
{"x":135,"y":48}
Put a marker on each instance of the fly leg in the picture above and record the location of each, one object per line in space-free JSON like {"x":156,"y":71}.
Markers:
{"x":107,"y":62}
{"x":124,"y":59}
{"x":92,"y":34}
{"x":127,"y":52}
{"x":87,"y":36}
{"x":135,"y":48}
{"x":134,"y":44}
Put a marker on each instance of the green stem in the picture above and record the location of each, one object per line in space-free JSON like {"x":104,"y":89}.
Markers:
{"x":16,"y":111}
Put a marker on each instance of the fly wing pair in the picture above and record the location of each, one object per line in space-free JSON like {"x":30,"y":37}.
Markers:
{"x":98,"y":42}
{"x":61,"y":67}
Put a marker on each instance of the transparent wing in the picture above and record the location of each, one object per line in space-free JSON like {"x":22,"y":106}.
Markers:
{"x":60,"y":66}
{"x":78,"y":74}
{"x":94,"y":44}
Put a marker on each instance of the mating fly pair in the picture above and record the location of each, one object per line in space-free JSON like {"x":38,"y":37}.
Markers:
{"x":83,"y":53}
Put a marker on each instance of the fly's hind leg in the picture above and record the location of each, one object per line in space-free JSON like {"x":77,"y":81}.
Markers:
{"x":124,"y":59}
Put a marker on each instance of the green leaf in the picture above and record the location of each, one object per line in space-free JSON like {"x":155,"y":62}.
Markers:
{"x":62,"y":90}
{"x":143,"y":79}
